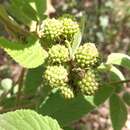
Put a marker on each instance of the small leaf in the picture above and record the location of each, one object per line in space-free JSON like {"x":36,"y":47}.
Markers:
{"x":76,"y":42}
{"x":114,"y":74}
{"x":29,"y":55}
{"x":78,"y":38}
{"x":27,"y":120}
{"x":118,"y":112}
{"x":79,"y":105}
{"x":83,"y":20}
{"x":126,"y":98}
{"x":117,"y":74}
{"x":39,"y":6}
{"x":112,"y":70}
{"x":33,"y":80}
{"x":119,"y":59}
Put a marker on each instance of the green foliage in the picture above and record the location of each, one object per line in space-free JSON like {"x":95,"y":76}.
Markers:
{"x":40,"y":7}
{"x":11,"y":26}
{"x":33,"y":80}
{"x":79,"y":106}
{"x":24,"y":14}
{"x":67,"y":128}
{"x":30,"y":55}
{"x":59,"y":68}
{"x":27,"y":120}
{"x":119,"y":59}
{"x":29,"y":10}
{"x":118,"y":112}
{"x":116,"y":76}
{"x":76,"y":43}
{"x":8,"y":102}
{"x":126,"y":98}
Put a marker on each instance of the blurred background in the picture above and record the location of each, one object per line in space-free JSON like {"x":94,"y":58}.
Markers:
{"x":107,"y":23}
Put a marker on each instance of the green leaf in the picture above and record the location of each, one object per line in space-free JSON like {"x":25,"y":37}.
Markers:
{"x":8,"y":103}
{"x":30,"y":55}
{"x":119,"y":59}
{"x":27,"y":120}
{"x":67,"y":128}
{"x":114,"y":74}
{"x":82,"y":23}
{"x":80,"y":105}
{"x":39,"y":6}
{"x":78,"y":38}
{"x":21,"y":11}
{"x":118,"y":112}
{"x":126,"y":98}
{"x":33,"y":80}
{"x":25,"y":11}
{"x":76,"y":42}
{"x":9,"y":23}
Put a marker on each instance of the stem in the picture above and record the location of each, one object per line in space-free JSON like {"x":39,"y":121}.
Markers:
{"x":120,"y":82}
{"x":31,"y":105}
{"x":20,"y":82}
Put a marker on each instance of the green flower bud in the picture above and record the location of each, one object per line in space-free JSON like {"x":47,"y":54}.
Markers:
{"x":58,"y":54}
{"x":55,"y":76}
{"x":70,"y":27}
{"x":51,"y":29}
{"x":87,"y":56}
{"x":90,"y":83}
{"x":66,"y":92}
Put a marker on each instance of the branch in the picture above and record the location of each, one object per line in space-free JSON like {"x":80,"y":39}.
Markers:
{"x":20,"y":82}
{"x":120,"y":82}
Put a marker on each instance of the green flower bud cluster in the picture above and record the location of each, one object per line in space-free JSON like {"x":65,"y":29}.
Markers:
{"x":58,"y":30}
{"x":70,"y":75}
{"x":67,"y":92}
{"x":56,"y":76}
{"x":90,"y":83}
{"x":58,"y":54}
{"x":87,"y":56}
{"x":51,"y":30}
{"x":70,"y":27}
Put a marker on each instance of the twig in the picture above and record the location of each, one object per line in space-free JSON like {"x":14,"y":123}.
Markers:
{"x":120,"y":82}
{"x":20,"y":82}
